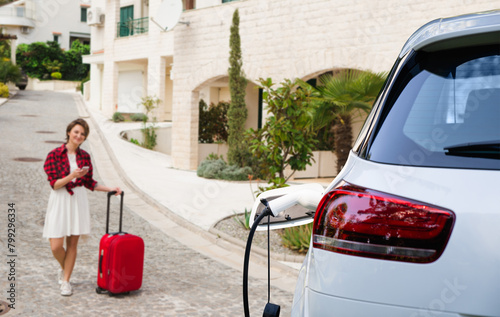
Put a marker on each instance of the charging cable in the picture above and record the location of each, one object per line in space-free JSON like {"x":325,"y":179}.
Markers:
{"x":271,"y":310}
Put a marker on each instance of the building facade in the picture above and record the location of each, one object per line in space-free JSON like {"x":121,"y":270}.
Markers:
{"x":63,"y":21}
{"x":133,"y":56}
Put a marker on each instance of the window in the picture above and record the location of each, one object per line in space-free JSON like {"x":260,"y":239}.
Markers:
{"x":442,"y":102}
{"x":225,"y":1}
{"x":20,"y":11}
{"x":126,"y":18}
{"x":56,"y":38}
{"x":189,"y":4}
{"x":83,"y":14}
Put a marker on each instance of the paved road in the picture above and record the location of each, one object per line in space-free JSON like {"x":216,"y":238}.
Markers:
{"x":177,"y":280}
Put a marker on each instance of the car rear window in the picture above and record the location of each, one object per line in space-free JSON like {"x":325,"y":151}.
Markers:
{"x":443,"y":111}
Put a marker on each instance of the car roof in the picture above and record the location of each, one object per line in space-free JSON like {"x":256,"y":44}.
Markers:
{"x":463,"y":30}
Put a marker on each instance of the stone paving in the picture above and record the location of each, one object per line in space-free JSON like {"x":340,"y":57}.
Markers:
{"x":178,"y":281}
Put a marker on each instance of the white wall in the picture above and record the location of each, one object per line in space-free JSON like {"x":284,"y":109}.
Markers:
{"x":53,"y":16}
{"x":207,"y":3}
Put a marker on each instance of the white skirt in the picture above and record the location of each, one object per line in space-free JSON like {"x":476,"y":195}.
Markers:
{"x":67,"y":214}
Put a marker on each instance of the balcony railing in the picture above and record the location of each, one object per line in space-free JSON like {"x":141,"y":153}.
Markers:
{"x":20,"y":12}
{"x":132,"y":27}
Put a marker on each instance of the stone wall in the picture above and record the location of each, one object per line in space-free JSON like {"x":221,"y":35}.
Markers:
{"x":291,"y":38}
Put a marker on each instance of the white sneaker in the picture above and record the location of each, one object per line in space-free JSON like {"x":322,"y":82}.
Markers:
{"x":66,"y":289}
{"x":60,"y":276}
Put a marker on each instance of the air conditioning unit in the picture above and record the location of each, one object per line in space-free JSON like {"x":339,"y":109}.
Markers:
{"x":94,"y":16}
{"x":25,"y":30}
{"x":102,"y":18}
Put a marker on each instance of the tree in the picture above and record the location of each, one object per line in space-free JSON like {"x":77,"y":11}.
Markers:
{"x":32,"y":57}
{"x":73,"y":68}
{"x":38,"y":60}
{"x":287,"y":138}
{"x":237,"y":112}
{"x":338,"y":98}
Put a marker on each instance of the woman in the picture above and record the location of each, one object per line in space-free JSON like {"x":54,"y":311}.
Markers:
{"x":69,"y":170}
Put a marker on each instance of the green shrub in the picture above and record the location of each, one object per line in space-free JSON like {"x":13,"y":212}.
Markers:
{"x":138,"y":117}
{"x":211,"y":168}
{"x":236,"y":173}
{"x":297,"y":238}
{"x":52,"y":66}
{"x":83,"y":81}
{"x":214,"y":157}
{"x":150,"y":136}
{"x":135,"y":141}
{"x":4,"y":90}
{"x":39,"y":59}
{"x":32,"y":57}
{"x":73,"y":68}
{"x":218,"y":169}
{"x":149,"y":130}
{"x":118,"y":117}
{"x":212,"y":124}
{"x":258,"y":163}
{"x":56,"y":75}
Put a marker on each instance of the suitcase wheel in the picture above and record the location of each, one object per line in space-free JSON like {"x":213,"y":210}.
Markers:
{"x":99,"y":290}
{"x":118,"y":294}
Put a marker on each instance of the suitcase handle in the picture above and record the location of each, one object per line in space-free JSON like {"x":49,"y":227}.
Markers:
{"x":100,"y":263}
{"x":111,"y":193}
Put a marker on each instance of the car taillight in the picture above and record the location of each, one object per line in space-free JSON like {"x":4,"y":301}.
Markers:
{"x":358,"y":221}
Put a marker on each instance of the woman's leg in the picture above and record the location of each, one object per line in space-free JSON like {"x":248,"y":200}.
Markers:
{"x":57,"y":247}
{"x":70,"y":259}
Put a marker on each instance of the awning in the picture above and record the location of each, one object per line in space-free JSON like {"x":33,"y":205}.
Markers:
{"x":80,"y":35}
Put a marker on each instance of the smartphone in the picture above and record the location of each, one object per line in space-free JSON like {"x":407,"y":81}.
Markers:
{"x":85,"y":168}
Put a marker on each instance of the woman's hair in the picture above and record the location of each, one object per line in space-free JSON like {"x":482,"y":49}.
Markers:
{"x":80,"y":122}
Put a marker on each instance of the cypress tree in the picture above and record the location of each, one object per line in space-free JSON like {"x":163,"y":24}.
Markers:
{"x":237,"y":112}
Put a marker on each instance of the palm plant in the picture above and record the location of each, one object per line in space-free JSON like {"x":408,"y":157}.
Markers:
{"x":4,"y":49}
{"x":338,"y":98}
{"x":9,"y":72}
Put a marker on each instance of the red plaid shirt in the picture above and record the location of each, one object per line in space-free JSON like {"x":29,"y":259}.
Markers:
{"x":57,"y":166}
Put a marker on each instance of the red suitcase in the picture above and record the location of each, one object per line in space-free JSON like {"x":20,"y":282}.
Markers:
{"x":121,"y":259}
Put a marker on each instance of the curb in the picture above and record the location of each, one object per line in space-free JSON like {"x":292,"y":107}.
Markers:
{"x":12,"y":94}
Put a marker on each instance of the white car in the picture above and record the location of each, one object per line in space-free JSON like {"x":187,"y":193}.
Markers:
{"x":411,"y":225}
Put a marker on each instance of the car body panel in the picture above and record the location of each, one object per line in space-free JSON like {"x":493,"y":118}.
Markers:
{"x":461,"y":280}
{"x":441,"y":30}
{"x":318,"y":303}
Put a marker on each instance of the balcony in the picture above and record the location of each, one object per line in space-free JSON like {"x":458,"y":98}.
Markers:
{"x":132,"y":27}
{"x":17,"y":16}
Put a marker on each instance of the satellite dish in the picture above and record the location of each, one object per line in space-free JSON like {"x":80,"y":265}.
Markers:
{"x":168,"y":14}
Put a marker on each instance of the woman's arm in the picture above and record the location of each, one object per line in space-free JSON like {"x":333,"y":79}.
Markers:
{"x":102,"y":188}
{"x":61,"y":182}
